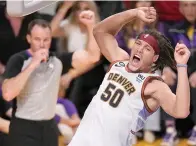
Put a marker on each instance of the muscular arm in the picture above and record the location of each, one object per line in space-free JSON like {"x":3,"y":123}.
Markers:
{"x":15,"y":79}
{"x":176,"y":105}
{"x":105,"y":31}
{"x":12,"y":87}
{"x":182,"y":104}
{"x":84,"y":60}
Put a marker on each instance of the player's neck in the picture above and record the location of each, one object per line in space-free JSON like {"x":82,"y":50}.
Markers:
{"x":144,"y":70}
{"x":147,"y":70}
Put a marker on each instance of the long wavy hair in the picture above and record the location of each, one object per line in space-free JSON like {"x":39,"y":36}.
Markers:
{"x":166,"y":55}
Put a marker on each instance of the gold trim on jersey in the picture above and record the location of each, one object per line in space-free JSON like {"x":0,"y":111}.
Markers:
{"x":128,"y":86}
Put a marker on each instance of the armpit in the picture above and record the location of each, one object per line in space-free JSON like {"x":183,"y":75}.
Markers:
{"x":149,"y":88}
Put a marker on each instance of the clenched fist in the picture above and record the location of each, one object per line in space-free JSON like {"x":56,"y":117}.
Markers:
{"x":87,"y":18}
{"x":181,"y":54}
{"x":39,"y":56}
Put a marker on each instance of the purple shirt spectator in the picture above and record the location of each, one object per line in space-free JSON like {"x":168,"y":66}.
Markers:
{"x":179,"y":33}
{"x":69,"y":108}
{"x":121,"y":42}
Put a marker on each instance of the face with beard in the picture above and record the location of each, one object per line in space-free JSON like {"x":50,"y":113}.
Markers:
{"x":143,"y":54}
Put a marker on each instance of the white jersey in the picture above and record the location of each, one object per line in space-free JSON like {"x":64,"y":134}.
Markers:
{"x":117,"y":111}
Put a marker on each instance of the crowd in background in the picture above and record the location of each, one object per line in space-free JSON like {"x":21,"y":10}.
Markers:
{"x":176,"y":20}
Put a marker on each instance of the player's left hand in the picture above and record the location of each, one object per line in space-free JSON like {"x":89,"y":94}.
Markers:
{"x":87,"y":18}
{"x":181,"y":54}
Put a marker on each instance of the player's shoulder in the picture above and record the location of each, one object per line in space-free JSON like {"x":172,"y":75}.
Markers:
{"x":155,"y":84}
{"x":118,"y":64}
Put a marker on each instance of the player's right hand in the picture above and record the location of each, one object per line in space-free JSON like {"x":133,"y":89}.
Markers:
{"x":39,"y":56}
{"x":146,"y":14}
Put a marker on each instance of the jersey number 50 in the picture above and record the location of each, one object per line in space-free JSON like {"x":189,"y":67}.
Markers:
{"x":113,"y":95}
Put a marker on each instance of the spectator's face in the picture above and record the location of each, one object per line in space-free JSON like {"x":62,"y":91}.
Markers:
{"x":142,"y":56}
{"x":188,"y":9}
{"x":40,"y":38}
{"x":82,"y":6}
{"x":143,"y":4}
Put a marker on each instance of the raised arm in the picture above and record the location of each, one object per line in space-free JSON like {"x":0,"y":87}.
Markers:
{"x":55,"y":23}
{"x":106,"y":30}
{"x":176,"y":105}
{"x":15,"y":79}
{"x":86,"y":59}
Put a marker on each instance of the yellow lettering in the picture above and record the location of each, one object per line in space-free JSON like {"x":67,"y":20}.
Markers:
{"x":125,"y":82}
{"x":110,"y":76}
{"x":115,"y":77}
{"x":120,"y":79}
{"x":131,"y":90}
{"x":127,"y":86}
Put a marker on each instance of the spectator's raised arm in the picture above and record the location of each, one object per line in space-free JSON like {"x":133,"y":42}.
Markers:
{"x":55,"y":23}
{"x":85,"y":59}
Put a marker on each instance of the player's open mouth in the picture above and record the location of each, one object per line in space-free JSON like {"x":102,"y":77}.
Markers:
{"x":136,"y":61}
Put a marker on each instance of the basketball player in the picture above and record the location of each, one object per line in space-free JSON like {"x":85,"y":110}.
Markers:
{"x":131,"y":91}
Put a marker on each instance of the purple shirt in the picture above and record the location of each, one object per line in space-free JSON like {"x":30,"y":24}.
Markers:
{"x":178,"y":33}
{"x":69,"y":108}
{"x":121,"y":41}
